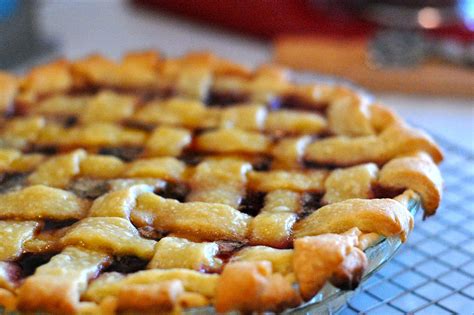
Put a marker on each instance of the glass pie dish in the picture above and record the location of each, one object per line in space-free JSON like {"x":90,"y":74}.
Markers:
{"x":330,"y":299}
{"x":318,"y":234}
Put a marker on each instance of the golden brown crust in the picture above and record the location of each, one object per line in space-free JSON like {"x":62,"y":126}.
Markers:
{"x":204,"y":178}
{"x":418,"y":173}
{"x":39,"y":202}
{"x":46,"y":79}
{"x":97,"y":70}
{"x":113,"y":234}
{"x":402,"y":139}
{"x":8,"y":300}
{"x":350,"y":115}
{"x":348,"y":275}
{"x":383,"y":216}
{"x":58,"y":285}
{"x":381,"y":117}
{"x":281,"y":259}
{"x":351,"y":182}
{"x":174,"y":252}
{"x":334,"y":257}
{"x":272,"y":229}
{"x":48,"y":294}
{"x":13,"y":235}
{"x":207,"y":221}
{"x":58,"y":171}
{"x":109,"y":284}
{"x":241,"y":280}
{"x":395,"y":140}
{"x":119,"y":203}
{"x":158,"y":297}
{"x":294,"y":180}
{"x":8,"y":90}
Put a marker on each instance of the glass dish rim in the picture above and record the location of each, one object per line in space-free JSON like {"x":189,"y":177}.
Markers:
{"x":391,"y":244}
{"x":388,"y":246}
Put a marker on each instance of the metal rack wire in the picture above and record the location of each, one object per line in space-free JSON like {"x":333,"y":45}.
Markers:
{"x":434,"y":272}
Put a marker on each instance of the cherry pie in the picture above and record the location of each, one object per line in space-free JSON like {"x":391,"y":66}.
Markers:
{"x":159,"y":185}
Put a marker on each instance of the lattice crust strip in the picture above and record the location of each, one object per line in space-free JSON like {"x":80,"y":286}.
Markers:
{"x":158,"y":185}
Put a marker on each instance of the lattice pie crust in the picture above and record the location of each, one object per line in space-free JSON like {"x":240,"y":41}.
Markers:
{"x":158,"y":185}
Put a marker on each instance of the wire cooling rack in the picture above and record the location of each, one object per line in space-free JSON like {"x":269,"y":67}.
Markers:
{"x":434,"y":272}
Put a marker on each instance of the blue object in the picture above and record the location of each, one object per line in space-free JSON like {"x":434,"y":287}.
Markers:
{"x":7,"y":8}
{"x":466,"y":9}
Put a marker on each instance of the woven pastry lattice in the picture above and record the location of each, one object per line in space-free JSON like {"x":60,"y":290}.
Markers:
{"x":165,"y":184}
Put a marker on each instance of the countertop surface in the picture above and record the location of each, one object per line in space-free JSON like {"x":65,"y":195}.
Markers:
{"x":113,"y":27}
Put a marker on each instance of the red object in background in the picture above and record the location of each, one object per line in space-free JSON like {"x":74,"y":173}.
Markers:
{"x":265,"y":18}
{"x":270,"y":18}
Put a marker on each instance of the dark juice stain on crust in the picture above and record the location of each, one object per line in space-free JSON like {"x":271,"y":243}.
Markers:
{"x":44,"y":149}
{"x":30,"y":261}
{"x":263,"y":163}
{"x":324,"y":134}
{"x":151,"y":233}
{"x":177,"y":191}
{"x":310,"y":202}
{"x":227,"y":98}
{"x":144,"y":95}
{"x":126,"y":264}
{"x":191,"y":157}
{"x":168,"y":92}
{"x":50,"y":225}
{"x":89,"y":188}
{"x":345,"y":280}
{"x":379,"y":191}
{"x":252,"y":203}
{"x":147,"y":94}
{"x":20,"y":108}
{"x":69,"y":121}
{"x":86,"y":90}
{"x":12,"y":181}
{"x":227,"y":249}
{"x":134,"y":124}
{"x":295,"y":102}
{"x":199,"y":131}
{"x":126,"y":153}
{"x":315,"y":165}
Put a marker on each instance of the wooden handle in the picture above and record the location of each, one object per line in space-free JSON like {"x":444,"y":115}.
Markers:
{"x":348,"y":59}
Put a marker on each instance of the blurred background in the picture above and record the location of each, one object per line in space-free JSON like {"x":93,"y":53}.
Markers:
{"x":417,"y":56}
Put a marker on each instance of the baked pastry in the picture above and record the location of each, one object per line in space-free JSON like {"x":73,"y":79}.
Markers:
{"x":158,"y":185}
